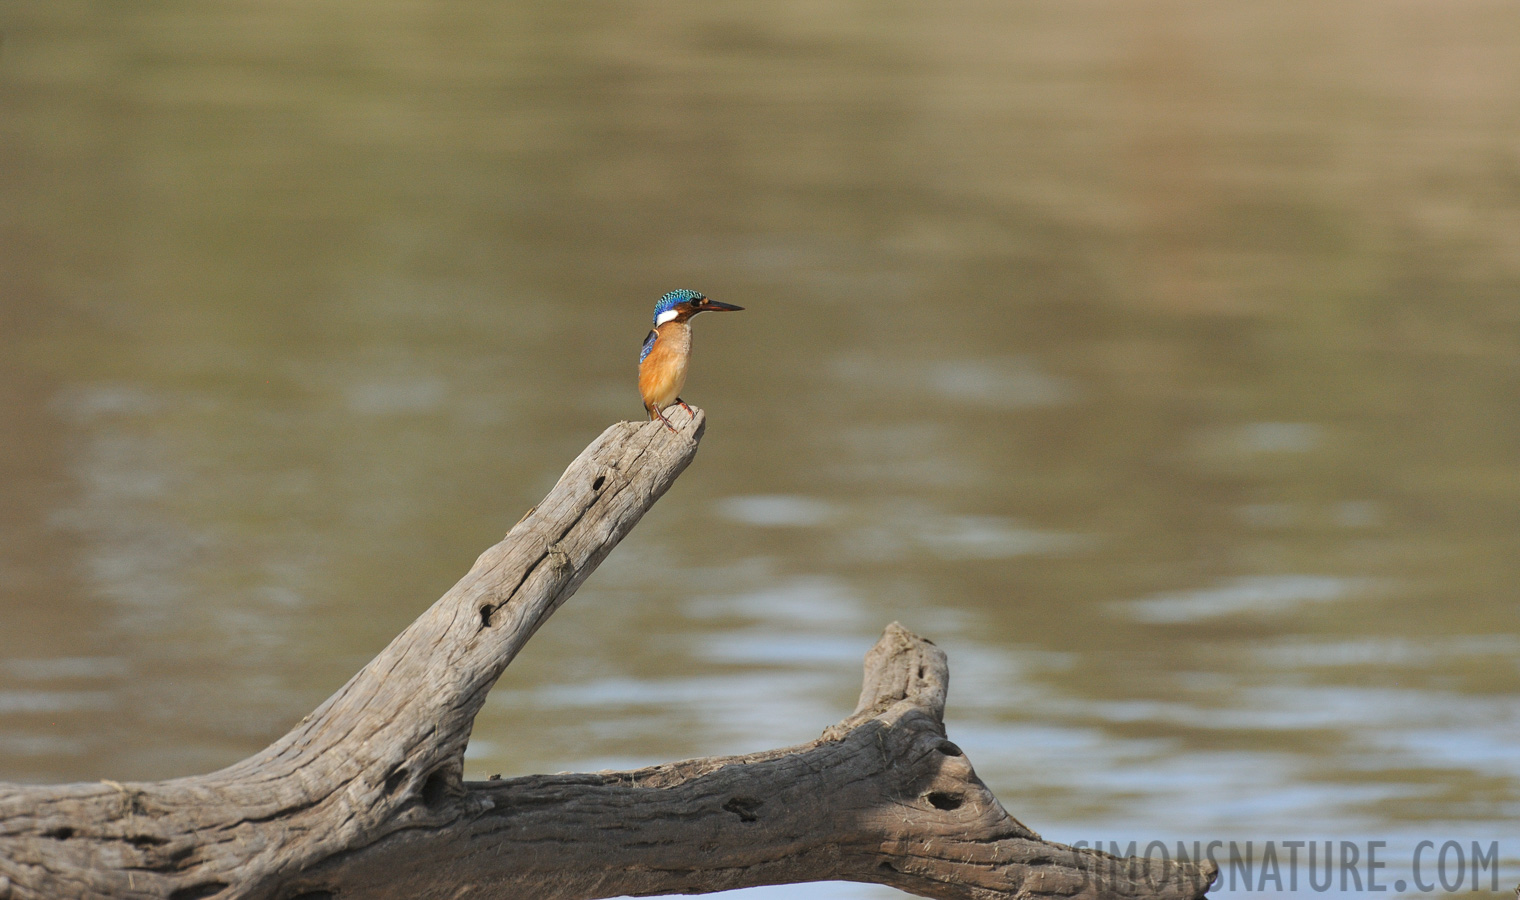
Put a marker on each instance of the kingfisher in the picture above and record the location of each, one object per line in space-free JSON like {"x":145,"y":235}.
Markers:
{"x":667,"y":349}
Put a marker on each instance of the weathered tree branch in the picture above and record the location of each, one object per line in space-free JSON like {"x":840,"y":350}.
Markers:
{"x":364,"y":798}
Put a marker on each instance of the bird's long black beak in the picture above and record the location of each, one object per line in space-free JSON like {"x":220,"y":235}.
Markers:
{"x":715,"y":306}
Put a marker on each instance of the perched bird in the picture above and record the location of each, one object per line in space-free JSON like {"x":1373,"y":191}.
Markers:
{"x":662,"y":363}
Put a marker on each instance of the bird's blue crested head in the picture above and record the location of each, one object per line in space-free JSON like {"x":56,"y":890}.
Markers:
{"x":673,"y":299}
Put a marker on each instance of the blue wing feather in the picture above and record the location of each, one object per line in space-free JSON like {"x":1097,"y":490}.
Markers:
{"x":648,"y":346}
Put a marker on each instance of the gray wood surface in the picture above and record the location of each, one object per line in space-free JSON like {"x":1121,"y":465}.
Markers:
{"x":364,"y":797}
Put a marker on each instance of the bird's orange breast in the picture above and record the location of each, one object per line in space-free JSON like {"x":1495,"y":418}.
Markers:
{"x":662,"y":374}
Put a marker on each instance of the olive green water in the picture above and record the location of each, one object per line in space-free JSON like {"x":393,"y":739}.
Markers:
{"x":1161,"y":361}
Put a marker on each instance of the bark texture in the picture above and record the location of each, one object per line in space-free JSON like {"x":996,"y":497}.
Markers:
{"x":364,"y":798}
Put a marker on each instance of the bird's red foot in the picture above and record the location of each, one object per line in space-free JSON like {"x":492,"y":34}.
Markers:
{"x":656,"y":414}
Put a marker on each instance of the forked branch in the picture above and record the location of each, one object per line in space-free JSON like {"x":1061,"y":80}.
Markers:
{"x":364,"y":798}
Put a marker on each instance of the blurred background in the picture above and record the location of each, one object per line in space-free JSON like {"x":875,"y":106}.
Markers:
{"x":1159,"y":360}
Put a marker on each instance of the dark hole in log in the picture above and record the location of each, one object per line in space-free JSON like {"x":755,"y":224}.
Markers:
{"x":435,"y":788}
{"x":147,"y":840}
{"x":199,"y":891}
{"x":944,"y":800}
{"x":397,"y":779}
{"x":313,"y":895}
{"x":59,"y":834}
{"x":597,"y":484}
{"x":485,"y":617}
{"x":886,"y":866}
{"x":949,"y":748}
{"x":744,"y":808}
{"x":920,"y":672}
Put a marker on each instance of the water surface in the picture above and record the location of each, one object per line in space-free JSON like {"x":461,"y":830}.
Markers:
{"x":1159,"y":361}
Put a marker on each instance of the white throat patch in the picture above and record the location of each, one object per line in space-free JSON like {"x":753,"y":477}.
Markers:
{"x":666,"y":316}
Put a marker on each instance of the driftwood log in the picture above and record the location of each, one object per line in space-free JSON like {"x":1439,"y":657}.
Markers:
{"x":365,"y":797}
